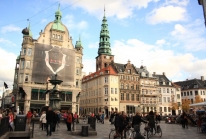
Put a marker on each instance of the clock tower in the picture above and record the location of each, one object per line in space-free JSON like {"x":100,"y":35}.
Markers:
{"x":105,"y":56}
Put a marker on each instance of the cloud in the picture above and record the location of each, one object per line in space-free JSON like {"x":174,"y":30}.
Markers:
{"x":167,"y":14}
{"x":2,"y":40}
{"x":8,"y":62}
{"x":89,"y":65}
{"x":119,"y":8}
{"x":176,"y":65}
{"x":160,"y":42}
{"x":94,"y":45}
{"x":72,"y":25}
{"x":190,"y":36}
{"x":10,"y":28}
{"x":177,"y":2}
{"x":44,"y":21}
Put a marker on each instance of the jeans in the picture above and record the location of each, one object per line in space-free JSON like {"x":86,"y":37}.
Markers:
{"x":137,"y":130}
{"x":49,"y":127}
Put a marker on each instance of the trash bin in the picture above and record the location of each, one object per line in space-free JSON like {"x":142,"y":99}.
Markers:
{"x":85,"y":131}
{"x":20,"y":123}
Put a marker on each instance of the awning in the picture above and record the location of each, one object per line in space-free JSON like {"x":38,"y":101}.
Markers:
{"x":199,"y":104}
{"x":35,"y":90}
{"x":42,"y":91}
{"x":68,"y":93}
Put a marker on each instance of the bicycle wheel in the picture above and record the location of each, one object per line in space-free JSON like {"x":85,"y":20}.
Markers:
{"x":159,"y":132}
{"x":112,"y":134}
{"x":149,"y":134}
{"x":129,"y":134}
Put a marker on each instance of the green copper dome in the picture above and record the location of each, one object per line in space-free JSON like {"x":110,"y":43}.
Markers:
{"x":104,"y":43}
{"x":57,"y":22}
{"x":78,"y":43}
{"x":18,"y":57}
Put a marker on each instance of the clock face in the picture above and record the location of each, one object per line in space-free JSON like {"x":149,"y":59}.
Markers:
{"x":107,"y":57}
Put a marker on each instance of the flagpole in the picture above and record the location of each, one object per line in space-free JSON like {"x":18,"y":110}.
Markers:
{"x":2,"y":98}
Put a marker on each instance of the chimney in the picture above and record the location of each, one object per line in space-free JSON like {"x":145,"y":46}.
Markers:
{"x":154,"y":73}
{"x":202,"y":78}
{"x":163,"y":73}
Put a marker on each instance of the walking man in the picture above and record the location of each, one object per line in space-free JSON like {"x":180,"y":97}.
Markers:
{"x":50,"y":116}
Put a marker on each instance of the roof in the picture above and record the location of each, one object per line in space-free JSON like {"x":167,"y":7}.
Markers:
{"x":175,"y":85}
{"x":120,"y":67}
{"x":192,"y":84}
{"x":161,"y":79}
{"x":108,"y":71}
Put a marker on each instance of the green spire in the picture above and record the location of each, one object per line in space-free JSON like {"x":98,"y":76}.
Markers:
{"x":104,"y":44}
{"x":29,"y":29}
{"x":78,"y":43}
{"x":57,"y":22}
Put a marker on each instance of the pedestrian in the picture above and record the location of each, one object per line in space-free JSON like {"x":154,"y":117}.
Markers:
{"x":119,"y":124}
{"x":65,"y":117}
{"x":184,"y":120}
{"x":29,"y":116}
{"x":50,"y":116}
{"x":43,"y":120}
{"x":55,"y":120}
{"x":111,"y":117}
{"x":11,"y":121}
{"x":102,"y":117}
{"x":69,"y":121}
{"x":151,"y":119}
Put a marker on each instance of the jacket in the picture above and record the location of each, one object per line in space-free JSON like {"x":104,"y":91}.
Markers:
{"x":69,"y":118}
{"x":50,"y":116}
{"x":43,"y":118}
{"x":137,"y":120}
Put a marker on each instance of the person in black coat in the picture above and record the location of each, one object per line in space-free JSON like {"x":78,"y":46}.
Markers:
{"x":151,"y":119}
{"x":50,"y":116}
{"x":136,"y":120}
{"x":55,"y":121}
{"x":119,"y":123}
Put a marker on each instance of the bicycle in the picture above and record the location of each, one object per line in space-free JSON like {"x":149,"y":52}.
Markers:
{"x":157,"y":131}
{"x":114,"y":134}
{"x":139,"y":136}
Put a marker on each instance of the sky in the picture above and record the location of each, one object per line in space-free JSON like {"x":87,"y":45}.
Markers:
{"x":163,"y":35}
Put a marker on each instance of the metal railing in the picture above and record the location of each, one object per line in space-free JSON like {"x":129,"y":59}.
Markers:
{"x":4,"y":125}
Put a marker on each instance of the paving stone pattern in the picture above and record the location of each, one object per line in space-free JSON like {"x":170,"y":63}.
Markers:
{"x":170,"y":131}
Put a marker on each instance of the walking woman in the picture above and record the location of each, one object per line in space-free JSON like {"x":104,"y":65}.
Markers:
{"x":69,"y":121}
{"x":11,"y":121}
{"x":43,"y":120}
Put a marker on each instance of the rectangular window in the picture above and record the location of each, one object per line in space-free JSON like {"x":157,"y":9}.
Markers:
{"x":115,"y":90}
{"x":129,"y":71}
{"x":26,"y":79}
{"x":165,"y":109}
{"x":168,"y":99}
{"x":27,"y":64}
{"x":24,"y":51}
{"x":164,"y":99}
{"x":112,"y":91}
{"x":196,"y":92}
{"x":184,"y":93}
{"x":178,"y":96}
{"x":105,"y":79}
{"x":169,"y":109}
{"x":137,"y":97}
{"x":106,"y":91}
{"x":163,"y":90}
{"x":22,"y":64}
{"x":116,"y":99}
{"x":127,"y":96}
{"x":160,"y":109}
{"x":29,"y":52}
{"x":132,"y":97}
{"x":99,"y":91}
{"x":181,"y":93}
{"x":77,"y":83}
{"x":203,"y":92}
{"x":168,"y":90}
{"x":160,"y":99}
{"x":77,"y":71}
{"x":122,"y":86}
{"x":192,"y":101}
{"x":112,"y":99}
{"x":122,"y":96}
{"x":188,"y":94}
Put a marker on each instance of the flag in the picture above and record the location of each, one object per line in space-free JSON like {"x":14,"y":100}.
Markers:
{"x":5,"y":85}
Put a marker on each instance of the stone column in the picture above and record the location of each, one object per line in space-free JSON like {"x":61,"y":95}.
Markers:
{"x":27,"y":99}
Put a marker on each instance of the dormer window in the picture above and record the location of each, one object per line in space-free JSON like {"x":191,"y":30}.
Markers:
{"x":129,"y":71}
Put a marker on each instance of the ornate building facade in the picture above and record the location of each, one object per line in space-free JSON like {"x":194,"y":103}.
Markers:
{"x":53,"y":53}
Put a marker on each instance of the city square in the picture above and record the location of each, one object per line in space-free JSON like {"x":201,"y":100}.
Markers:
{"x":121,"y":61}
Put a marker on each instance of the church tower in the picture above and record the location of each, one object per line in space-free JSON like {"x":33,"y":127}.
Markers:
{"x":105,"y":56}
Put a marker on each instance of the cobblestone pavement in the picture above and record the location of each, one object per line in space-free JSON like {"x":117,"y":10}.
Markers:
{"x":170,"y":131}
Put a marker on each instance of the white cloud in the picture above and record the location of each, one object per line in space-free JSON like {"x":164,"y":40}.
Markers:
{"x":119,"y":8}
{"x":2,"y":40}
{"x":158,"y":60}
{"x":10,"y":28}
{"x":160,"y":42}
{"x":72,"y":25}
{"x":167,"y":14}
{"x":191,"y":36}
{"x":94,"y":45}
{"x":177,"y":2}
{"x":8,"y":61}
{"x":89,"y":65}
